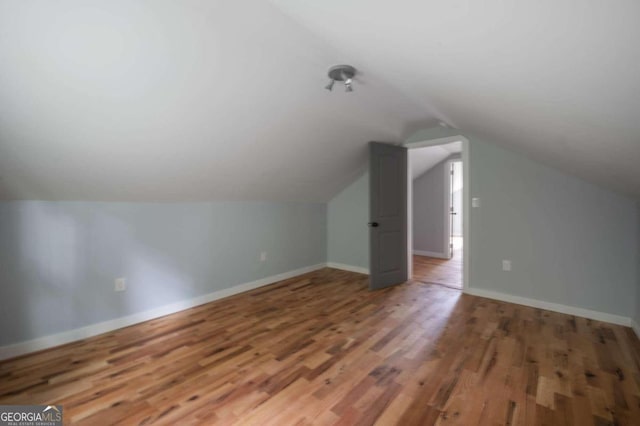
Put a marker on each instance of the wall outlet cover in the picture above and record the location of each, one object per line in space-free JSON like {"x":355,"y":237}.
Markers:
{"x":120,"y":284}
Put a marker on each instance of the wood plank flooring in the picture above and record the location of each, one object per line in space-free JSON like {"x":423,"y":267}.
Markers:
{"x":432,"y":270}
{"x":322,"y":349}
{"x":447,"y":272}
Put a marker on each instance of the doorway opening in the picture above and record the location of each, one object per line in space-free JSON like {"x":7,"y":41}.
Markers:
{"x":436,"y":225}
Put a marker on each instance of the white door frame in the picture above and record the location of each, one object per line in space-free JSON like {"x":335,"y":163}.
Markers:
{"x":448,"y":204}
{"x":450,"y":165}
{"x":466,"y":201}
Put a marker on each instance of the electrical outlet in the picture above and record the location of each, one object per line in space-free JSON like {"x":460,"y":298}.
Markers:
{"x":120,"y":284}
{"x":506,"y":265}
{"x":475,"y":202}
{"x":263,"y":256}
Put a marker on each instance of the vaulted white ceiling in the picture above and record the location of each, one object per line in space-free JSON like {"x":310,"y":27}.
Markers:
{"x":179,"y":100}
{"x":554,"y":79}
{"x":203,"y":100}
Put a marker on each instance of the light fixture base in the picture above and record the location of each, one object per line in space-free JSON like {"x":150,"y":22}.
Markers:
{"x":341,"y":72}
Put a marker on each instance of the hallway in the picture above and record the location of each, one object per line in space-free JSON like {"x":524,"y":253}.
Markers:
{"x":446,"y":272}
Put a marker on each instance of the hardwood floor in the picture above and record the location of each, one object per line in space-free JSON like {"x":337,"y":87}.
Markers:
{"x":322,"y":349}
{"x":447,"y":272}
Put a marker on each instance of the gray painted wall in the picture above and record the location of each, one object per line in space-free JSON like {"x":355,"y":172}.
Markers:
{"x":429,"y":225}
{"x":570,"y":241}
{"x":347,"y":217}
{"x":58,"y":260}
{"x":636,"y":316}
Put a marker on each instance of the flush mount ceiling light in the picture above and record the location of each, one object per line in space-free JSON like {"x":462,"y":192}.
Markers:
{"x":343,"y":73}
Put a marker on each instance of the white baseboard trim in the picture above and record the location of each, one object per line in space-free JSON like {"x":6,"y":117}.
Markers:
{"x":350,"y":268}
{"x":556,"y":307}
{"x":57,"y":339}
{"x":431,"y":254}
{"x":636,"y":328}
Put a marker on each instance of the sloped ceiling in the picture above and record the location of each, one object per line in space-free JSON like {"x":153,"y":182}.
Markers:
{"x":195,"y":100}
{"x":554,"y":79}
{"x":421,"y":160}
{"x":179,"y":101}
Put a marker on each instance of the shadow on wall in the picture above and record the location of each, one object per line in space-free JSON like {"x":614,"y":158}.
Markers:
{"x":59,"y":260}
{"x":62,"y":262}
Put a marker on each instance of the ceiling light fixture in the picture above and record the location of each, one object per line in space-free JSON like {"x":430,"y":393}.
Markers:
{"x":341,"y":73}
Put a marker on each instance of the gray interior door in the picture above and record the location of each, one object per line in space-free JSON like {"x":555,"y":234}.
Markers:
{"x":387,"y":215}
